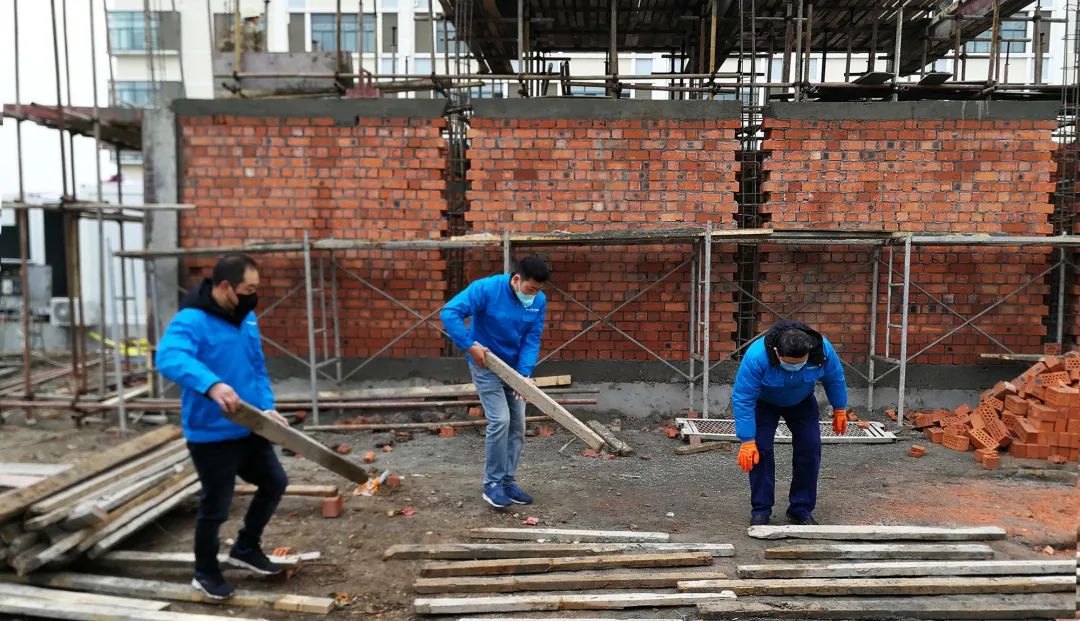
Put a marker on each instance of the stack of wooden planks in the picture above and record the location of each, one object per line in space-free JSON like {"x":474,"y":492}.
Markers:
{"x":941,"y":575}
{"x":558,"y":571}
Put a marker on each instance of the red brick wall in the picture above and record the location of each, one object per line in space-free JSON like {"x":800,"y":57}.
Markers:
{"x":270,"y":178}
{"x":926,"y":175}
{"x":588,"y":173}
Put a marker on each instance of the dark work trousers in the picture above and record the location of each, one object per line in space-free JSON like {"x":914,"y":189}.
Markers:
{"x":802,"y":420}
{"x":218,"y":464}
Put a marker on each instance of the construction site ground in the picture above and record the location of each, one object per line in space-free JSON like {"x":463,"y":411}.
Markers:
{"x":707,"y":493}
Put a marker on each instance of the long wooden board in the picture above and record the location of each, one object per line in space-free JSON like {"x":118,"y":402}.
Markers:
{"x":910,"y":569}
{"x":32,"y":469}
{"x":17,"y":500}
{"x":573,"y":601}
{"x":882,"y":551}
{"x":563,"y":581}
{"x":75,"y":597}
{"x":877,"y":533}
{"x":180,"y":592}
{"x":886,"y":586}
{"x":19,"y":480}
{"x":478,"y":551}
{"x":137,"y":507}
{"x":167,"y":504}
{"x":567,"y":534}
{"x":255,"y":420}
{"x":615,"y":445}
{"x":414,"y":392}
{"x":969,"y":608}
{"x":544,"y":403}
{"x":48,"y":609}
{"x":246,"y":489}
{"x":134,"y":559}
{"x":504,"y":567}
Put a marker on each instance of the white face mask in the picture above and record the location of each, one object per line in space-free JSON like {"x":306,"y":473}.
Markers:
{"x":524,"y":298}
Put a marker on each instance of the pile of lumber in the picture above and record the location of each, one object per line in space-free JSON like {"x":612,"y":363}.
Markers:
{"x":1034,"y":416}
{"x":890,"y":580}
{"x":469,"y":578}
{"x":86,"y":509}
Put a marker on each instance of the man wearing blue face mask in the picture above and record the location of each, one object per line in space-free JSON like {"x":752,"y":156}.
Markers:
{"x":507,"y":319}
{"x":776,"y":380}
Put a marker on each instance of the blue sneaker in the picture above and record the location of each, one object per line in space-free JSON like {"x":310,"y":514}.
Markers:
{"x":496,"y":496}
{"x":516,"y":494}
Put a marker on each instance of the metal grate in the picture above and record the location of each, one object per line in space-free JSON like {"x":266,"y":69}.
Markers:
{"x":724,"y":429}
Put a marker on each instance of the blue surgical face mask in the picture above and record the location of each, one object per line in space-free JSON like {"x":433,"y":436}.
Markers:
{"x":787,"y":366}
{"x":525,"y":299}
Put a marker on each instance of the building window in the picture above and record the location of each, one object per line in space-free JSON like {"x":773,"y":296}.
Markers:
{"x":134,"y":94}
{"x":643,"y":66}
{"x":324,"y":32}
{"x":421,"y":5}
{"x":389,"y":5}
{"x":422,"y":66}
{"x":1009,"y":30}
{"x":487,"y":91}
{"x":444,"y":34}
{"x":127,"y":31}
{"x":588,"y":91}
{"x":388,"y":66}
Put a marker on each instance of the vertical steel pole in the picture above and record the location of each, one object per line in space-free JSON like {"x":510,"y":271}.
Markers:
{"x":888,"y":304}
{"x":23,"y":216}
{"x":322,"y":310}
{"x":506,"y":252}
{"x":121,"y":406}
{"x":694,"y":253}
{"x":104,"y":367}
{"x":706,"y":312}
{"x":902,"y":388}
{"x":1061,"y":296}
{"x":520,"y":36}
{"x":896,"y":51}
{"x":876,"y":257}
{"x":151,"y":274}
{"x":334,"y":310}
{"x":871,"y":63}
{"x":798,"y":51}
{"x":613,"y":51}
{"x":311,"y":331}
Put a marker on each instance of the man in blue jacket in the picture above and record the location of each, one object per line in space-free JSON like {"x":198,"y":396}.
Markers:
{"x":507,"y":315}
{"x":776,"y":380}
{"x":213,"y":351}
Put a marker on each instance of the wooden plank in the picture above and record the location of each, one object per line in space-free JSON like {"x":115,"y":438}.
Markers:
{"x":19,"y":480}
{"x":429,"y":426}
{"x":166,"y":505}
{"x":502,"y":567}
{"x":123,"y":492}
{"x":16,"y":501}
{"x":690,"y":449}
{"x":970,"y":608}
{"x":911,"y":569}
{"x":886,"y":586}
{"x":48,"y":609}
{"x":614,"y":444}
{"x":32,"y":469}
{"x":412,"y":392}
{"x":296,"y":441}
{"x":573,"y":601}
{"x":244,"y":489}
{"x":477,"y":551}
{"x":882,"y":551}
{"x":563,"y":581}
{"x":26,"y":563}
{"x":846,"y":532}
{"x":181,"y":592}
{"x":134,"y":559}
{"x":106,"y":479}
{"x":544,"y":403}
{"x":74,"y":597}
{"x":571,"y":534}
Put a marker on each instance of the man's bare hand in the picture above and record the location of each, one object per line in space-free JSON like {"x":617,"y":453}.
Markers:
{"x":517,"y":395}
{"x":224,"y":396}
{"x":476,"y":352}
{"x":278,"y":417}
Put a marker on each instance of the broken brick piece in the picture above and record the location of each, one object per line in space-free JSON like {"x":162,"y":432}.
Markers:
{"x":590,"y":453}
{"x":991,"y":462}
{"x":369,"y":457}
{"x":962,"y":410}
{"x":388,"y":448}
{"x":1057,"y":459}
{"x":890,"y":414}
{"x":545,"y":431}
{"x":343,"y":449}
{"x":1052,"y":349}
{"x":446,"y":432}
{"x":283,"y":551}
{"x":916,"y":451}
{"x":923,"y":420}
{"x":672,"y":432}
{"x":1053,"y":363}
{"x":392,"y":482}
{"x":475,"y":412}
{"x":333,"y":506}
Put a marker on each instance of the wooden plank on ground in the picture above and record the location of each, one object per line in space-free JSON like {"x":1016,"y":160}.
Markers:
{"x":164,"y":503}
{"x":563,"y":581}
{"x":15,"y":501}
{"x":255,"y":420}
{"x":503,"y":567}
{"x":554,"y":601}
{"x":43,"y":608}
{"x":32,"y":469}
{"x":175,"y":591}
{"x":19,"y":480}
{"x":690,"y":449}
{"x":970,"y":608}
{"x":134,"y":559}
{"x":848,"y":532}
{"x":414,"y":392}
{"x":544,"y":403}
{"x":567,"y":534}
{"x":910,"y":569}
{"x":75,"y":597}
{"x":477,"y":551}
{"x":939,"y":585}
{"x":882,"y":551}
{"x":245,"y":489}
{"x":615,"y":445}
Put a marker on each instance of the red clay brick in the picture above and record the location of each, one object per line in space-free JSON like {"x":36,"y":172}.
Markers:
{"x":934,"y":434}
{"x":333,"y":506}
{"x":916,"y":451}
{"x":991,"y":462}
{"x":981,"y":439}
{"x":1016,"y":404}
{"x":955,"y":442}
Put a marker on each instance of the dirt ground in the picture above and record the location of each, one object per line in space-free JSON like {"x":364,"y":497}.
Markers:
{"x":707,"y":493}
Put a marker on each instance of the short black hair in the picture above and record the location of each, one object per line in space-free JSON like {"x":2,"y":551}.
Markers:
{"x":794,"y":343}
{"x":532,"y":268}
{"x":231,"y":268}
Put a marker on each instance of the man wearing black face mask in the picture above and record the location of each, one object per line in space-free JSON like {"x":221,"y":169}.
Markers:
{"x":213,"y":351}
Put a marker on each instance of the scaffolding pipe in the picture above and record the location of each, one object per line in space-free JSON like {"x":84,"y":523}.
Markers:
{"x":122,"y":410}
{"x":873,"y":332}
{"x":896,"y":51}
{"x":906,"y":297}
{"x":706,"y":315}
{"x":100,"y":213}
{"x":314,"y":378}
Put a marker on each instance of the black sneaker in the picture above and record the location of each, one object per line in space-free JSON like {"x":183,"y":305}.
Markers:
{"x":759,"y":520}
{"x":256,"y":562}
{"x":213,"y":586}
{"x":802,"y":521}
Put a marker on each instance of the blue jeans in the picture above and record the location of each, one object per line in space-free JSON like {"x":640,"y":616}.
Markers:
{"x":505,"y":429}
{"x":802,"y":420}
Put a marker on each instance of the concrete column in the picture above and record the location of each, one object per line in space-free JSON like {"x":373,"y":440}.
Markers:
{"x":161,"y":230}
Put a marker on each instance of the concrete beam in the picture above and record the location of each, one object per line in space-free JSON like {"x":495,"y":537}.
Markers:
{"x":915,"y":110}
{"x":603,"y":109}
{"x":344,"y":112}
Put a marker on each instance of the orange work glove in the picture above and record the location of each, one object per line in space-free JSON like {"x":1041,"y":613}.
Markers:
{"x":839,"y":422}
{"x":748,"y":455}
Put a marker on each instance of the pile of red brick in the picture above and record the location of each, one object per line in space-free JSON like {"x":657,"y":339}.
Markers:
{"x":1035,"y":416}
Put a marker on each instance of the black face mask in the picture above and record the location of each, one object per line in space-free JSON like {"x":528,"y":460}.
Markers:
{"x":246,"y":304}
